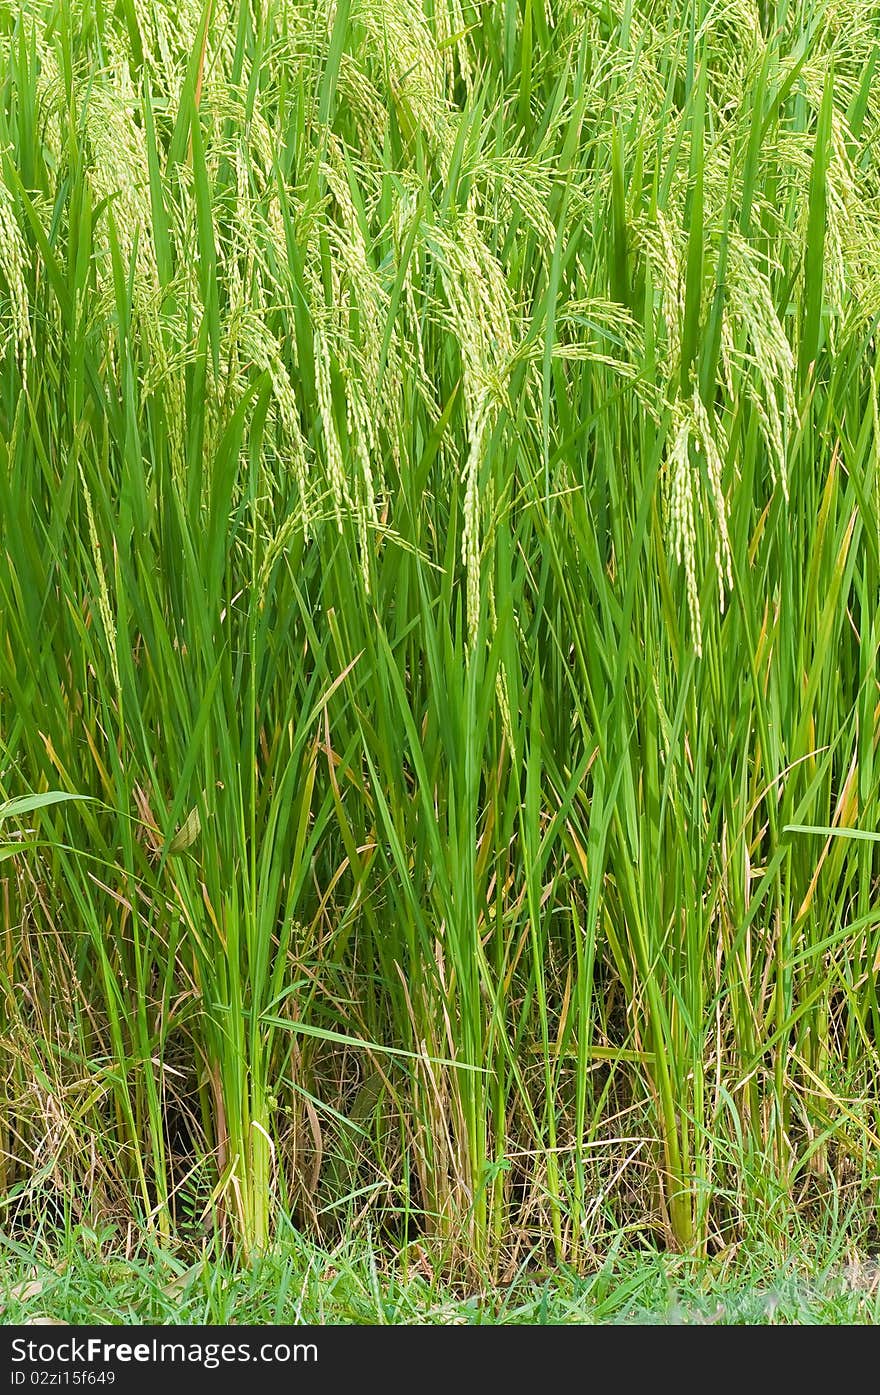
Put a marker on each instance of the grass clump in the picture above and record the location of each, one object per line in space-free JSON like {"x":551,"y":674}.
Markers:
{"x":85,"y":1279}
{"x":440,"y":534}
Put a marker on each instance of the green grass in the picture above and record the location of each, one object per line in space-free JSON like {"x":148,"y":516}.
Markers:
{"x":86,"y":1283}
{"x":440,"y":538}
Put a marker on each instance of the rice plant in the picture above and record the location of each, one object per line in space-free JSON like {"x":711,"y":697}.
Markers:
{"x":439,"y":545}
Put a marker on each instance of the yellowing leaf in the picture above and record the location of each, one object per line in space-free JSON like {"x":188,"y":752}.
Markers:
{"x":186,"y":834}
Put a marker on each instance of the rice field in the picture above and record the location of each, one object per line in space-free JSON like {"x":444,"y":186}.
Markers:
{"x":439,"y":624}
